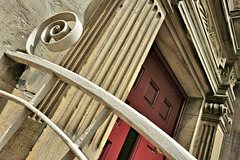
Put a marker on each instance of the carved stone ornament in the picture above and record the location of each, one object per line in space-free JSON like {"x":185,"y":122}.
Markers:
{"x":237,"y":4}
{"x":228,"y":75}
{"x":214,"y":108}
{"x":219,"y":110}
{"x":56,"y":33}
{"x":210,"y":31}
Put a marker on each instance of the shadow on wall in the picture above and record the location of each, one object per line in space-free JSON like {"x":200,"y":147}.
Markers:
{"x":10,"y":73}
{"x":18,"y":21}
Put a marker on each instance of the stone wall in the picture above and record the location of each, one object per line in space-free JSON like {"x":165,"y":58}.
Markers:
{"x":19,"y":18}
{"x":231,"y":140}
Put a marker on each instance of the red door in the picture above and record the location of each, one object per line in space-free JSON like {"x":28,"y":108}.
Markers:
{"x":156,"y":96}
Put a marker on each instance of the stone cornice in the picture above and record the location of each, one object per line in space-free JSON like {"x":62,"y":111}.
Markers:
{"x":200,"y":19}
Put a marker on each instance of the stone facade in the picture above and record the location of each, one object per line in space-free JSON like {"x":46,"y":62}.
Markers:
{"x":193,"y":36}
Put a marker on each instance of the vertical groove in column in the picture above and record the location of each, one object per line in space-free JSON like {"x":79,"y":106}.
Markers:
{"x":205,"y":142}
{"x":84,"y":49}
{"x":209,"y":142}
{"x":93,"y":75}
{"x":132,"y":61}
{"x":48,"y":102}
{"x":110,"y":53}
{"x":100,"y":35}
{"x":201,"y":137}
{"x":114,"y":64}
{"x":105,"y":61}
{"x":90,"y":34}
{"x":202,"y":141}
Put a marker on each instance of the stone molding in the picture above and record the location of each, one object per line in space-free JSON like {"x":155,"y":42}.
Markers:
{"x":209,"y":141}
{"x":218,"y":110}
{"x":214,"y":120}
{"x":232,"y":14}
{"x":220,"y":71}
{"x":214,"y":108}
{"x":226,"y":70}
{"x":210,"y":30}
{"x":228,"y":75}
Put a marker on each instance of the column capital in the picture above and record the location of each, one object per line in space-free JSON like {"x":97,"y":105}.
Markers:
{"x":217,"y":113}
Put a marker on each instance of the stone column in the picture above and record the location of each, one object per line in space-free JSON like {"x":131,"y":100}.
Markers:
{"x":213,"y":126}
{"x":110,"y":53}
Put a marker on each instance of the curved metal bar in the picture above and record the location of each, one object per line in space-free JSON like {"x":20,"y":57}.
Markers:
{"x":74,"y":148}
{"x":145,"y":127}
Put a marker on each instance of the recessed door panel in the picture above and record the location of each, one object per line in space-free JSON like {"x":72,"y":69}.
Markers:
{"x":156,"y":96}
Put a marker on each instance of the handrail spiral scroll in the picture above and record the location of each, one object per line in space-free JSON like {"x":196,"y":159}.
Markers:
{"x":56,"y":33}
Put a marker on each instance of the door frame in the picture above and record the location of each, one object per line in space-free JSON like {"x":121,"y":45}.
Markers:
{"x":176,"y":82}
{"x":168,"y":70}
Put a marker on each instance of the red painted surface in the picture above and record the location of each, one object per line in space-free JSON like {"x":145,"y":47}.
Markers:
{"x":116,"y":140}
{"x":156,"y":96}
{"x":145,"y":151}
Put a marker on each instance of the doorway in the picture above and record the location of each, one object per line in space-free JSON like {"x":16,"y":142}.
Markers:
{"x":155,"y":94}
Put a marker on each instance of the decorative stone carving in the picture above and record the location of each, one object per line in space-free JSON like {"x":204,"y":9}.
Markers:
{"x":213,"y":126}
{"x":228,"y":75}
{"x":237,"y":4}
{"x":210,"y":31}
{"x":56,"y":33}
{"x":219,"y":110}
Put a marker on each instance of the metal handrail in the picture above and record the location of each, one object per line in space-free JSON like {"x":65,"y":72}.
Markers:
{"x":163,"y":142}
{"x":74,"y":148}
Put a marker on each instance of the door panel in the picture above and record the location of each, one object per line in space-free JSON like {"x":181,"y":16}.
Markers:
{"x":156,"y":96}
{"x":144,"y":150}
{"x":115,"y":140}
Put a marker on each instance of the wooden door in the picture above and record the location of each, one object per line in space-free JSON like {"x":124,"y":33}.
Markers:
{"x":156,"y":96}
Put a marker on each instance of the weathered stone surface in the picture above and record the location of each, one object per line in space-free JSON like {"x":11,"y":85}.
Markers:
{"x":18,"y":20}
{"x":10,"y":72}
{"x":22,"y":16}
{"x":231,"y":140}
{"x":186,"y":134}
{"x":27,"y":133}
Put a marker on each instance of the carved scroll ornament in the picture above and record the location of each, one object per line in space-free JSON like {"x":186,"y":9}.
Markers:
{"x":56,"y":33}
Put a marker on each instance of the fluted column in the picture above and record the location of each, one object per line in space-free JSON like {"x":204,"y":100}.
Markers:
{"x":110,"y":53}
{"x":213,"y":126}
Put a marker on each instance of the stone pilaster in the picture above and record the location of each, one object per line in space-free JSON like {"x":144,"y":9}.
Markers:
{"x":213,"y":126}
{"x":110,"y":53}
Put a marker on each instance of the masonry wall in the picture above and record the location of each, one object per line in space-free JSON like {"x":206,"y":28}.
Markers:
{"x":19,"y":18}
{"x":230,"y":146}
{"x":17,"y":21}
